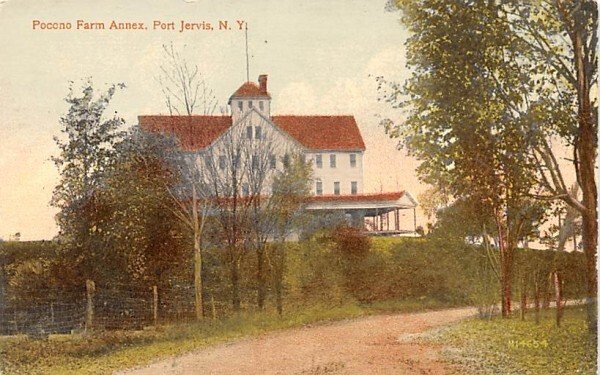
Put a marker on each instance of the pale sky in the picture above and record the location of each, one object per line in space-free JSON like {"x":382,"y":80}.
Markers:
{"x":321,"y":58}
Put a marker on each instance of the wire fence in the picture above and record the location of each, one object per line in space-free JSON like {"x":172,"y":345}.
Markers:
{"x":101,"y":307}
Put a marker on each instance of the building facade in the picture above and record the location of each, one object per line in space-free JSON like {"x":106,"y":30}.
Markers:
{"x":332,"y":144}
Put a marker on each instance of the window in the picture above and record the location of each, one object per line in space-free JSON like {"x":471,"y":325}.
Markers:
{"x":245,"y":190}
{"x":353,"y":187}
{"x":208,"y":161}
{"x":332,"y":160}
{"x":336,"y":188}
{"x":353,"y":160}
{"x":261,"y":105}
{"x":286,"y":161}
{"x":319,"y":160}
{"x":254,"y":162}
{"x":222,"y":162}
{"x":319,"y":188}
{"x":249,"y":132}
{"x":257,"y":132}
{"x":272,"y":161}
{"x":249,"y":103}
{"x":241,"y":105}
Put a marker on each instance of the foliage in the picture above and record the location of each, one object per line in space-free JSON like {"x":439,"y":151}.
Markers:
{"x":140,"y":229}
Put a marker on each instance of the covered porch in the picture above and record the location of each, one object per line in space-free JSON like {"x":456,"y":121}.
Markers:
{"x":378,"y":214}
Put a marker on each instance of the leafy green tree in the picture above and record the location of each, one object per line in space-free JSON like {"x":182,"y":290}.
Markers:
{"x":539,"y":60}
{"x":86,"y":151}
{"x":457,"y":124}
{"x":140,"y":230}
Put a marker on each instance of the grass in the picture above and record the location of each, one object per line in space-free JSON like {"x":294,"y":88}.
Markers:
{"x":104,"y":352}
{"x":512,"y":346}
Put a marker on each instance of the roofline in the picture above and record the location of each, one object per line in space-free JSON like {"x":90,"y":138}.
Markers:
{"x":317,"y":150}
{"x":267,"y":95}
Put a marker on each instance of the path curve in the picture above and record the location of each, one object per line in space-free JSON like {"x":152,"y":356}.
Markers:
{"x":370,"y":345}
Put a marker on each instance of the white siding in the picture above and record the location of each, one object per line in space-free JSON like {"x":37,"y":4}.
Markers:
{"x":342,"y":173}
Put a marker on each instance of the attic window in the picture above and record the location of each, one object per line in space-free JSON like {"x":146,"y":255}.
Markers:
{"x":257,"y":132}
{"x":249,"y":132}
{"x":261,"y":105}
{"x":241,"y":105}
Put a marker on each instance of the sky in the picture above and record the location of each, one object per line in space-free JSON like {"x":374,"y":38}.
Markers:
{"x":321,"y":58}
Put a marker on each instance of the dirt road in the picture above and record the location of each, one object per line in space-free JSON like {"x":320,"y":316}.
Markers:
{"x":371,"y":345}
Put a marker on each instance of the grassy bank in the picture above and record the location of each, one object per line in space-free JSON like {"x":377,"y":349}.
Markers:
{"x":513,"y":346}
{"x":105,"y":352}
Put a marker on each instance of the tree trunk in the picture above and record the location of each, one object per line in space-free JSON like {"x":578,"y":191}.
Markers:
{"x":586,"y":145}
{"x":198,"y":279}
{"x":280,"y":264}
{"x":260,"y":277}
{"x":558,"y":296}
{"x":235,"y":285}
{"x":506,"y":266}
{"x":523,"y":298}
{"x":590,"y":243}
{"x":536,"y":301}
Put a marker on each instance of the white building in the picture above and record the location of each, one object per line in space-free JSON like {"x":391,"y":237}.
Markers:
{"x":333,"y":144}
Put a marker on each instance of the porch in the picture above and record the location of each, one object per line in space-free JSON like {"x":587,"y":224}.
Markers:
{"x":379,"y":214}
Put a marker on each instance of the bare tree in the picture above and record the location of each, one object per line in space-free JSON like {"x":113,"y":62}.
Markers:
{"x":238,"y":169}
{"x":184,"y":87}
{"x":186,"y":91}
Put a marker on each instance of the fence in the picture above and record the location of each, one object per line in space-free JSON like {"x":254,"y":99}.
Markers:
{"x":101,"y":307}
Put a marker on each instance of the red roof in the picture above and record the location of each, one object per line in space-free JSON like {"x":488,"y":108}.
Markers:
{"x":249,"y":89}
{"x":375,"y":197}
{"x":323,"y":132}
{"x":193,"y":132}
{"x":338,"y":133}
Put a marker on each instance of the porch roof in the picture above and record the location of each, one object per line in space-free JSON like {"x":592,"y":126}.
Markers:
{"x":368,"y":204}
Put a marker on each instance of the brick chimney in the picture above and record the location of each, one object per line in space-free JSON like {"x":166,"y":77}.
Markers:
{"x":262,"y":82}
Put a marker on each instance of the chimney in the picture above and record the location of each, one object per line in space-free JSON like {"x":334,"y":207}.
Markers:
{"x":262,"y":82}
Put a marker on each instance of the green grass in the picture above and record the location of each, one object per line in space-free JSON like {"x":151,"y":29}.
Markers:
{"x":512,"y":346}
{"x":104,"y":352}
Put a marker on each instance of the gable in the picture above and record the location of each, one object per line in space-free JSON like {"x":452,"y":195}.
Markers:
{"x":269,"y":130}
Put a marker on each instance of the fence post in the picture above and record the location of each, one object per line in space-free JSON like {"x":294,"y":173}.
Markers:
{"x":155,"y":304}
{"x":212,"y":304}
{"x":90,"y":288}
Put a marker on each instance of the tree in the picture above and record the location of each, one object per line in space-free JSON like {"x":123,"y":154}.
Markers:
{"x":140,"y":229}
{"x":185,"y":91}
{"x":457,"y":124}
{"x":290,"y":188}
{"x":539,"y":60}
{"x":236,"y":174}
{"x":85,"y":155}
